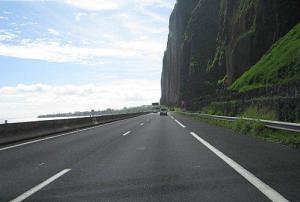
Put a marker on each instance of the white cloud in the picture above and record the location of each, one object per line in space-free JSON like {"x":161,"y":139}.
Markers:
{"x":90,"y":15}
{"x":98,"y":5}
{"x":139,"y":27}
{"x":32,"y":100}
{"x":54,"y":51}
{"x":156,"y":3}
{"x":53,"y":32}
{"x":7,"y":36}
{"x":7,"y":12}
{"x":133,"y":34}
{"x":95,"y":5}
{"x":25,"y":24}
{"x":3,"y":18}
{"x":154,"y":15}
{"x":79,"y":16}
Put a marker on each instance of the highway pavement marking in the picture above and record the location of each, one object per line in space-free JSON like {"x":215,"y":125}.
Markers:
{"x":172,"y":117}
{"x":40,"y":186}
{"x":272,"y":194}
{"x":56,"y":136}
{"x":183,"y":126}
{"x":34,"y":141}
{"x":141,"y":124}
{"x":127,"y":133}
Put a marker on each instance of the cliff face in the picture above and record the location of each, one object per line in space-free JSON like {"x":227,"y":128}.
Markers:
{"x":249,"y":29}
{"x":172,"y":57}
{"x":213,"y":42}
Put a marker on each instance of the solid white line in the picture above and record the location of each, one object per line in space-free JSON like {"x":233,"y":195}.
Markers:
{"x":172,"y":117}
{"x":40,"y":186}
{"x":183,"y":126}
{"x":260,"y":185}
{"x":127,"y":133}
{"x":55,"y":136}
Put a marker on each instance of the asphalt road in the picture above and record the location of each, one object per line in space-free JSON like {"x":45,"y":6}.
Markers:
{"x":150,"y":158}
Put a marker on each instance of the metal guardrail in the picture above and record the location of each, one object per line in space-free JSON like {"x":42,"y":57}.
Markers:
{"x":286,"y":126}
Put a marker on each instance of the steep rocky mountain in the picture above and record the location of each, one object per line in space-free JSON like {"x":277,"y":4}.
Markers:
{"x":212,"y":43}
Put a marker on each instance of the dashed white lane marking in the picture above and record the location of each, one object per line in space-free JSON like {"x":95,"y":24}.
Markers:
{"x":142,"y":124}
{"x":56,"y":136}
{"x":183,"y":126}
{"x":127,"y":133}
{"x":40,"y":186}
{"x":260,"y":185}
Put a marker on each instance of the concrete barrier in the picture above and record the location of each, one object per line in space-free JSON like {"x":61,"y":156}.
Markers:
{"x":14,"y":132}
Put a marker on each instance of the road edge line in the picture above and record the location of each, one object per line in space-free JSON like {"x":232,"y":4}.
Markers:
{"x":183,"y":126}
{"x":269,"y":192}
{"x":61,"y":135}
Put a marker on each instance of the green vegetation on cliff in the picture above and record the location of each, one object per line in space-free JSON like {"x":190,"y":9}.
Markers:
{"x":279,"y":65}
{"x":244,"y":7}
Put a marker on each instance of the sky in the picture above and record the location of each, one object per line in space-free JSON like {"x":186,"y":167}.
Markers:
{"x":75,"y":55}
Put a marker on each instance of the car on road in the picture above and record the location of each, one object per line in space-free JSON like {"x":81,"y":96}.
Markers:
{"x":163,"y":112}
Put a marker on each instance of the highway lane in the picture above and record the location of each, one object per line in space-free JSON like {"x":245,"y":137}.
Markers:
{"x":23,"y":167}
{"x":276,"y":164}
{"x":157,"y":160}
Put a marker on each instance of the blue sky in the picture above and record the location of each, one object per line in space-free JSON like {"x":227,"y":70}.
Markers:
{"x":73,"y":55}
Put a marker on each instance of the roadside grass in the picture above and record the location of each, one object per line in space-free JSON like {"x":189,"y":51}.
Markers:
{"x":211,"y":109}
{"x":254,"y":129}
{"x":250,"y":112}
{"x":260,"y":113}
{"x":178,"y":110}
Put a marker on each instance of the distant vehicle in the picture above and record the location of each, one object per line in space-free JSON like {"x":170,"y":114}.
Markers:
{"x":155,"y":107}
{"x":163,"y":112}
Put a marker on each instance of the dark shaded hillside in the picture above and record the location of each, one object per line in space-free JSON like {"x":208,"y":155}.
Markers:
{"x":213,"y":42}
{"x":172,"y":58}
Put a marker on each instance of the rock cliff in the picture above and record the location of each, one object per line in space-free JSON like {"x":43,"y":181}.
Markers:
{"x":213,"y":42}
